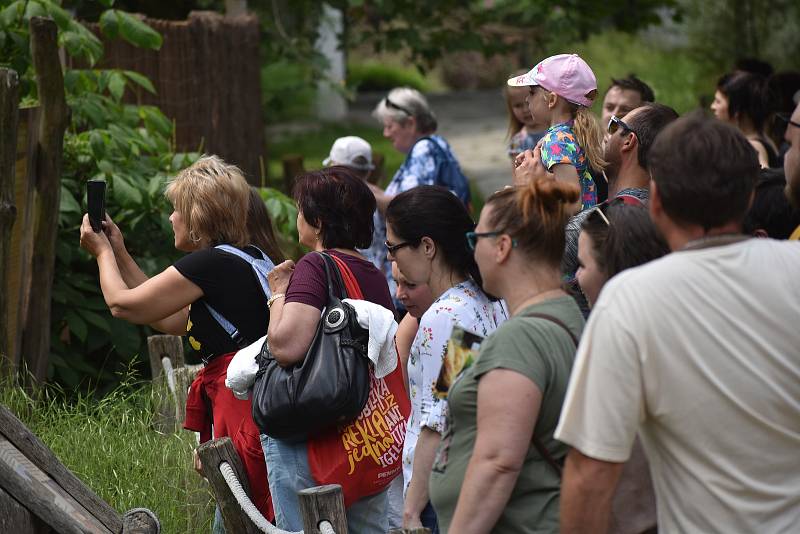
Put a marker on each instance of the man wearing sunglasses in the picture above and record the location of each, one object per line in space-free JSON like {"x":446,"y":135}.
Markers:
{"x":627,"y":148}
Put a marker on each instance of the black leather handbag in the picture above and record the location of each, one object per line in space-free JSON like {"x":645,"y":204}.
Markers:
{"x":329,"y":387}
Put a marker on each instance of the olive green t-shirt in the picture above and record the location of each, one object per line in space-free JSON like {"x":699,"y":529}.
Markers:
{"x":542,"y":351}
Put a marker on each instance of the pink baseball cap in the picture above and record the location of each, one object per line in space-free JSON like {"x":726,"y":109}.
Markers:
{"x":567,"y":75}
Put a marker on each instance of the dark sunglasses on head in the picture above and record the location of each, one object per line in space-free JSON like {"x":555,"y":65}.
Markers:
{"x":615,"y":123}
{"x":390,"y":104}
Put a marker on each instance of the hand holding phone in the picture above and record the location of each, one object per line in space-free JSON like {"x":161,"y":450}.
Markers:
{"x":96,"y":200}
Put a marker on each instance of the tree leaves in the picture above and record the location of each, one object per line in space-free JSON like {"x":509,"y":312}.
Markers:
{"x":119,"y":24}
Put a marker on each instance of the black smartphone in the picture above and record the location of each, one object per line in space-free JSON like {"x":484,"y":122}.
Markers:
{"x":96,"y":200}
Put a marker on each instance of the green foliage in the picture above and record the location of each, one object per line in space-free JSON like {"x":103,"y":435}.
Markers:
{"x":376,"y":76}
{"x":287,"y":90}
{"x":283,"y":212}
{"x":115,"y":23}
{"x":110,"y":444}
{"x":722,"y":31}
{"x":131,"y":148}
{"x":424,"y":32}
{"x":677,"y":79}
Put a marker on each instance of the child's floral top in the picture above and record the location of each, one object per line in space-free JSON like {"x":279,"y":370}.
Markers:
{"x":467,"y":306}
{"x":559,"y":145}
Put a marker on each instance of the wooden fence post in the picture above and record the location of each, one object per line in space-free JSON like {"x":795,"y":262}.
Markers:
{"x":9,"y":115}
{"x":24,"y":452}
{"x":53,"y":122}
{"x":292,"y":166}
{"x":212,"y":453}
{"x":170,"y":406}
{"x":323,"y":503}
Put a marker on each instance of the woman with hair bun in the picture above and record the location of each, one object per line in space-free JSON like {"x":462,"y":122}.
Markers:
{"x":499,"y":455}
{"x":426,"y":229}
{"x":743,"y":100}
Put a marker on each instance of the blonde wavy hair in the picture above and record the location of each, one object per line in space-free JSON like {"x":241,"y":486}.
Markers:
{"x":589,"y":134}
{"x":212,"y":197}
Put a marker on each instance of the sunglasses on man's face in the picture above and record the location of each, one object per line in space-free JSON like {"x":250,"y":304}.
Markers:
{"x":616,"y":124}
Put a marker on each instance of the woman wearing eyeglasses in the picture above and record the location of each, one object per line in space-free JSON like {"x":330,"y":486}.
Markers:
{"x":426,"y":229}
{"x":498,"y":466}
{"x":410,"y":124}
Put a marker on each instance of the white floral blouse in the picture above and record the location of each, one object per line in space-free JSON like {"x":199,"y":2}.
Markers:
{"x":467,"y":306}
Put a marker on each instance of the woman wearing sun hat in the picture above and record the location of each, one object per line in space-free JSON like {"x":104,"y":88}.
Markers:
{"x":562,"y":88}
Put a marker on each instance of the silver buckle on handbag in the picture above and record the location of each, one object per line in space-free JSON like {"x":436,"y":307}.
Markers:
{"x":335,"y":318}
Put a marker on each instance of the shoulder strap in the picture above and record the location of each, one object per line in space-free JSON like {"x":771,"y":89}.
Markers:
{"x":261,"y":267}
{"x":555,"y":320}
{"x":537,"y":443}
{"x":351,"y":285}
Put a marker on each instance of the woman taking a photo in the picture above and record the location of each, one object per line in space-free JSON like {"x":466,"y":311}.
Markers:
{"x":489,"y":475}
{"x":334,"y":215}
{"x":426,"y":229}
{"x":209,"y":199}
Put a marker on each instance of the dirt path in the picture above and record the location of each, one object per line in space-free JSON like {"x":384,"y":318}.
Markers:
{"x":474,"y":123}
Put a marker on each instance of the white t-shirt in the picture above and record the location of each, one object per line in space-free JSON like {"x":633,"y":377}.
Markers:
{"x":699,"y":351}
{"x":464,"y":305}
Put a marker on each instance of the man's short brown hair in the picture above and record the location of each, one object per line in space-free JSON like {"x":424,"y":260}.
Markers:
{"x":705,"y":171}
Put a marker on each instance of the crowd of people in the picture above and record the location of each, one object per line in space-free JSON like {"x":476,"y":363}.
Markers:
{"x":633,"y":292}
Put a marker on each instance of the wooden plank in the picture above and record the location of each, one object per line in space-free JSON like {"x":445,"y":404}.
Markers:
{"x":9,"y":115}
{"x":42,"y":496}
{"x":43,"y":458}
{"x":212,"y":454}
{"x":19,"y":274}
{"x":323,"y":503}
{"x":17,"y":519}
{"x":52,"y":124}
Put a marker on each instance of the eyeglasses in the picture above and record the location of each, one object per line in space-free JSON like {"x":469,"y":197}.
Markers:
{"x":787,"y":118}
{"x":615,"y":123}
{"x":472,"y":237}
{"x":394,"y":248}
{"x":390,"y":104}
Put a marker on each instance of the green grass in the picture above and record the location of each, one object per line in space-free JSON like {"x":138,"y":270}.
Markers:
{"x":111,"y":445}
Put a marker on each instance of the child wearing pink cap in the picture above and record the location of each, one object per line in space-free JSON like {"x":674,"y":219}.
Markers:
{"x":562,"y":88}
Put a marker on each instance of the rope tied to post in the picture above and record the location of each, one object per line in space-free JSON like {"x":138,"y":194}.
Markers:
{"x":169,"y":372}
{"x":250,"y":509}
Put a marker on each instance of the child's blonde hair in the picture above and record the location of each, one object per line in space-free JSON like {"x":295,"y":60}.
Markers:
{"x":589,"y":135}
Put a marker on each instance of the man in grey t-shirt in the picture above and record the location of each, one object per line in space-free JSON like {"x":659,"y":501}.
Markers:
{"x":626,"y":153}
